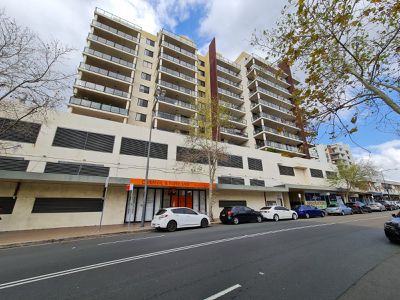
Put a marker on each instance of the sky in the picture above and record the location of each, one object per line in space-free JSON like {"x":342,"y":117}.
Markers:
{"x":231,"y":22}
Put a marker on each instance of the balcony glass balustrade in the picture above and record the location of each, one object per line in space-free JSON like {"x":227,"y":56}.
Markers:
{"x":236,"y":74}
{"x":177,"y":88}
{"x":233,"y":131}
{"x":172,"y":117}
{"x":178,"y":49}
{"x":177,"y":102}
{"x":111,"y":44}
{"x":177,"y":61}
{"x":238,"y":85}
{"x":177,"y":74}
{"x":99,"y":106}
{"x":108,"y":57}
{"x":277,"y":132}
{"x":104,"y":72}
{"x":101,"y":88}
{"x":272,"y":105}
{"x":230,"y":94}
{"x":115,"y":31}
{"x":113,"y":17}
{"x":276,"y":145}
{"x":273,"y":118}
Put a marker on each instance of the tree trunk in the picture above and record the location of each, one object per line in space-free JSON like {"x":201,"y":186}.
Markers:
{"x":211,"y":201}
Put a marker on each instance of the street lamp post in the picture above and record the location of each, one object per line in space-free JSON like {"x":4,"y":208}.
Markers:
{"x":159,"y":94}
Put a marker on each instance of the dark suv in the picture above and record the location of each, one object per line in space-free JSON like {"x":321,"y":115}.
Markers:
{"x":392,"y":229}
{"x":387,"y":204}
{"x":359,"y":207}
{"x":239,"y":214}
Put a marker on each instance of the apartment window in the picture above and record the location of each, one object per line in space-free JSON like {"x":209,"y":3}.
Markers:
{"x":316,"y":173}
{"x":67,"y":205}
{"x":150,"y":42}
{"x":148,"y":52}
{"x":146,"y":76}
{"x":288,"y":171}
{"x":144,"y":89}
{"x":201,"y":94}
{"x":202,"y":63}
{"x":202,"y":73}
{"x":142,"y":102}
{"x":201,"y":82}
{"x":140,"y":117}
{"x":147,"y":64}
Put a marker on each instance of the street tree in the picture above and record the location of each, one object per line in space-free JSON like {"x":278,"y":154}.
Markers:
{"x":203,"y":149}
{"x":350,"y":53}
{"x":352,"y":176}
{"x":32,"y":80}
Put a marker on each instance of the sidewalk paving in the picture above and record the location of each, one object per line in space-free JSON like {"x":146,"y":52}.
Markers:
{"x":10,"y":239}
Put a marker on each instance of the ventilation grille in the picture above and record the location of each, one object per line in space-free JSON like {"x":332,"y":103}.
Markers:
{"x":77,"y":139}
{"x":316,"y":173}
{"x":190,"y":155}
{"x":6,"y":205}
{"x":76,"y":169}
{"x":13,"y":164}
{"x":231,"y":161}
{"x":67,"y":205}
{"x":25,"y":132}
{"x":257,"y":182}
{"x":230,"y":180}
{"x":330,"y":174}
{"x":255,"y":164}
{"x":288,"y":171}
{"x":231,"y":203}
{"x":139,"y":148}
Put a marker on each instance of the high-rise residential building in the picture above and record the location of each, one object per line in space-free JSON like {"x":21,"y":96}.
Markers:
{"x":123,"y":65}
{"x":333,"y":153}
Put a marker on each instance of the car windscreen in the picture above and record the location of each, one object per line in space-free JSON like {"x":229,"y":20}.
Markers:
{"x":161,"y":211}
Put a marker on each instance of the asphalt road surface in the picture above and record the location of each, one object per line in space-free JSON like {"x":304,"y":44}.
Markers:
{"x":324,"y":258}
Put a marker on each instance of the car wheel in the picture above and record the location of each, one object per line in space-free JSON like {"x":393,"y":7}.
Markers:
{"x":204,"y":223}
{"x":235,"y":220}
{"x":276,"y":218}
{"x":307,"y":216}
{"x":322,"y":214}
{"x":294,"y":217}
{"x":259,"y":219}
{"x":171,"y":226}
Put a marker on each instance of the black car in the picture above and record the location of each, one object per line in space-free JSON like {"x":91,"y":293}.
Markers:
{"x":359,"y":207}
{"x":239,"y":214}
{"x":392,"y":229}
{"x":387,"y":204}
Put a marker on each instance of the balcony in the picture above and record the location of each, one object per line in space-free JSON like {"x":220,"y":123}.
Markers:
{"x":234,"y":136}
{"x":269,"y":74}
{"x":278,"y":146}
{"x":272,"y":118}
{"x":177,"y":61}
{"x":179,"y":38}
{"x":235,"y":108}
{"x":230,"y":83}
{"x":104,"y":72}
{"x":178,"y":49}
{"x":175,"y":118}
{"x":98,"y":106}
{"x":272,"y":96}
{"x":177,"y":74}
{"x":115,"y":31}
{"x":109,"y":58}
{"x":282,"y":136}
{"x":229,"y":72}
{"x":115,"y":18}
{"x":281,"y":110}
{"x":228,"y":62}
{"x":231,"y":95}
{"x":177,"y":88}
{"x":237,"y":121}
{"x":112,"y":44}
{"x":178,"y":103}
{"x":101,"y":89}
{"x":274,"y":85}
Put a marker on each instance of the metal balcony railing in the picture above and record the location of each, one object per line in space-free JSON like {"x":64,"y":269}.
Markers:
{"x":273,"y":118}
{"x":108,"y":57}
{"x":176,"y":118}
{"x":236,"y":74}
{"x":277,"y":132}
{"x":270,"y":83}
{"x":179,"y":38}
{"x":178,"y":49}
{"x":101,"y":88}
{"x":177,"y":88}
{"x":177,"y":74}
{"x":230,"y":94}
{"x":231,"y":105}
{"x":227,"y":61}
{"x":104,"y":41}
{"x":273,"y":95}
{"x":233,"y":131}
{"x":99,"y":106}
{"x":104,"y":72}
{"x":117,"y":19}
{"x":267,"y":72}
{"x":237,"y":120}
{"x":115,"y":31}
{"x":177,"y":102}
{"x":272,"y":105}
{"x":230,"y":82}
{"x":277,"y":146}
{"x":177,"y":61}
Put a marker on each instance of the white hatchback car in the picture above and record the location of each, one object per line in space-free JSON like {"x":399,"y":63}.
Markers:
{"x":277,"y":213}
{"x":178,"y":217}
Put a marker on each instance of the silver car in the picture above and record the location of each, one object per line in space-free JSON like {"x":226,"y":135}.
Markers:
{"x":338,"y":209}
{"x":376,"y":206}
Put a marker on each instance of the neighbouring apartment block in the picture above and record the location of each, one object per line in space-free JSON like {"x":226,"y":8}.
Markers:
{"x":73,"y":169}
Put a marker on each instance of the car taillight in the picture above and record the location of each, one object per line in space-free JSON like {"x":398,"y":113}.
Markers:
{"x":229,"y":213}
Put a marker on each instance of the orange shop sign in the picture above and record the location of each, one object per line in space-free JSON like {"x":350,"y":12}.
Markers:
{"x":170,"y":183}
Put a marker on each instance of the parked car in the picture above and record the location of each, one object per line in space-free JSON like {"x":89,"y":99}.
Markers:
{"x":277,"y":213}
{"x":392,"y":229}
{"x":239,"y":214}
{"x":338,"y":209}
{"x":359,"y":207}
{"x":178,"y":217}
{"x":398,"y":203}
{"x":376,"y":206}
{"x":387,"y":204}
{"x":307,"y":211}
{"x":395,"y":204}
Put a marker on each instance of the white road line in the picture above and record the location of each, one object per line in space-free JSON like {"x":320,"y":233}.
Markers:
{"x":224,"y":292}
{"x":152,"y":254}
{"x":130,"y":240}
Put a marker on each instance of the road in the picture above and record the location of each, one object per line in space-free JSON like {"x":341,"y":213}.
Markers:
{"x":322,"y":258}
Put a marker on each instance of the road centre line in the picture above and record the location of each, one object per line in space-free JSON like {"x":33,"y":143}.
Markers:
{"x":130,"y":240}
{"x":157,"y":253}
{"x":224,"y":292}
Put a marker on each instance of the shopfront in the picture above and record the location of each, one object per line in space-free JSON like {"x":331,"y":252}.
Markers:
{"x":164,"y":193}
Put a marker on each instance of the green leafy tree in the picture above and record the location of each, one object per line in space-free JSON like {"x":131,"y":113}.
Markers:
{"x":350,"y":53}
{"x":351,"y":177}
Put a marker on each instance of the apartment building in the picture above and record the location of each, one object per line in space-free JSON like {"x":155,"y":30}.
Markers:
{"x":333,"y":153}
{"x":73,"y":169}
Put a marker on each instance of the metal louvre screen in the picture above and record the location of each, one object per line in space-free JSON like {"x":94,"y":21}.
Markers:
{"x":330,"y":174}
{"x":7,"y":205}
{"x":257,"y":182}
{"x":231,"y":161}
{"x":78,"y":139}
{"x":25,"y":132}
{"x":288,"y":171}
{"x":230,"y":203}
{"x":13,"y":164}
{"x":67,"y":205}
{"x":230,"y":180}
{"x":190,"y":155}
{"x":76,"y":169}
{"x":139,"y":148}
{"x":316,"y":173}
{"x":255,"y":164}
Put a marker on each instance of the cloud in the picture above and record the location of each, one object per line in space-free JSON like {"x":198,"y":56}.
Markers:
{"x":385,"y":156}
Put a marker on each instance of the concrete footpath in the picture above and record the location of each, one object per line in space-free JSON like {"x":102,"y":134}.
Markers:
{"x":11,"y":239}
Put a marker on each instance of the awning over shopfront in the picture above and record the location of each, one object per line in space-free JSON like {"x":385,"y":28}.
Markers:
{"x":251,"y":188}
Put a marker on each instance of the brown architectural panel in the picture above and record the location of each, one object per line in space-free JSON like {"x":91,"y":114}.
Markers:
{"x":212,"y":56}
{"x":299,"y":114}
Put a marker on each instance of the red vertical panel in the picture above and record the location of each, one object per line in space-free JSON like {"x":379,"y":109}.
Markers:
{"x":212,"y":56}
